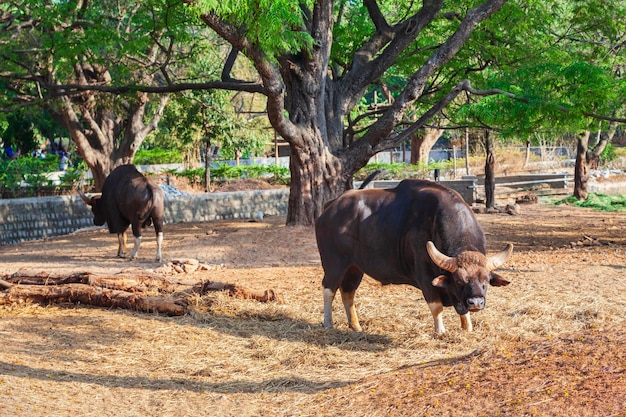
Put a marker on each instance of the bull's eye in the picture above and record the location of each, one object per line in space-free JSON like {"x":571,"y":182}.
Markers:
{"x":461,"y":277}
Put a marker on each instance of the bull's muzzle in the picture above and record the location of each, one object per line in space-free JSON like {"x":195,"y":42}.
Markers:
{"x":475,"y":303}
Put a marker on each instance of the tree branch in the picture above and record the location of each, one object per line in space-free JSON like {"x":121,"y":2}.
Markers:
{"x":69,"y":89}
{"x":369,"y":63}
{"x":383,"y":128}
{"x":464,"y":85}
{"x":272,"y":87}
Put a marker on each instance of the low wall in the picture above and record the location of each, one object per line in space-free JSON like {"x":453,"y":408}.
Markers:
{"x":466,"y":187}
{"x":23,"y":219}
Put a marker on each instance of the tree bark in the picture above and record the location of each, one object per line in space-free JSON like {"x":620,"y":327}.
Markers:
{"x":316,"y":177}
{"x":422,"y":143}
{"x":587,"y":159}
{"x":89,"y":295}
{"x":581,"y":170}
{"x":490,"y":182}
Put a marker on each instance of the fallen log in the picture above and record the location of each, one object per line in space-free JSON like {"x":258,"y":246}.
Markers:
{"x":95,"y":296}
{"x":140,"y":291}
{"x":137,"y":282}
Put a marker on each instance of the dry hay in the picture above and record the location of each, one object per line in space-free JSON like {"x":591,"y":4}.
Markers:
{"x":236,"y":357}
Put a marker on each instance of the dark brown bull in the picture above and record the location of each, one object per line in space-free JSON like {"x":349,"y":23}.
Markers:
{"x":419,"y":233}
{"x":129,"y":198}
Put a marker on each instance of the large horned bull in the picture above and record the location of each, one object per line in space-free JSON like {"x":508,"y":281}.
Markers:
{"x":129,"y":198}
{"x":419,"y":233}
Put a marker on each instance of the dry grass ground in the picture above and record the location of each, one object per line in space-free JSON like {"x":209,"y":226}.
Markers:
{"x":551,"y":343}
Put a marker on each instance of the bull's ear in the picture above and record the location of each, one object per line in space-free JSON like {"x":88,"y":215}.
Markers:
{"x":441,"y":281}
{"x":497,"y":281}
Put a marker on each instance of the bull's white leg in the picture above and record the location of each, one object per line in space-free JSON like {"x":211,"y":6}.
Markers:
{"x":329,"y":296}
{"x":159,"y":244}
{"x":133,"y":254}
{"x":348,"y":303}
{"x":121,"y":248}
{"x":466,"y":322}
{"x":437,"y":309}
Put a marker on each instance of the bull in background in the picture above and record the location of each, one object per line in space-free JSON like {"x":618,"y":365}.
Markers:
{"x":129,"y":198}
{"x":421,"y":234}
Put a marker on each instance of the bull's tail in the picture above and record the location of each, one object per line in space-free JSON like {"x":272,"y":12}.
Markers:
{"x":371,"y":178}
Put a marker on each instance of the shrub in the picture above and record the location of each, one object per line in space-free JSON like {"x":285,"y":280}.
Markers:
{"x":157,"y":156}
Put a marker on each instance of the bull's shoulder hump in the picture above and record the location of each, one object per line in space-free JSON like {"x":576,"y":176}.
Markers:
{"x":417,"y":184}
{"x":426,"y":187}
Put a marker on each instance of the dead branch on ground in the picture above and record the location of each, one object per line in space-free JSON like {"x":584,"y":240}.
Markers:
{"x":140,"y":291}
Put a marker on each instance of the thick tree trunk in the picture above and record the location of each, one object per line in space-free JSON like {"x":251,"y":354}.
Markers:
{"x":106,"y":134}
{"x":581,"y":170}
{"x":587,"y":159}
{"x":490,"y":182}
{"x":316,"y":177}
{"x":422,"y":143}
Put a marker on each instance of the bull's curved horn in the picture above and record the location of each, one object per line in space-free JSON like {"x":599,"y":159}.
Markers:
{"x":442,"y":261}
{"x":500,"y":258}
{"x":86,"y":199}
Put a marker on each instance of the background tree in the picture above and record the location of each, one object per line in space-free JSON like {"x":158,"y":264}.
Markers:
{"x":57,"y":55}
{"x":317,"y":60}
{"x":570,"y":82}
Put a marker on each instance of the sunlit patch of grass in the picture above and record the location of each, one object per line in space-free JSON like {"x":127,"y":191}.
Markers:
{"x":597,"y":201}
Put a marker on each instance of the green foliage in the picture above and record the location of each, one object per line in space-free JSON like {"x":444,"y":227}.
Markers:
{"x":248,"y":142}
{"x":550,"y":97}
{"x":224,"y":172}
{"x":26,"y":175}
{"x":73,"y":176}
{"x":597,"y":201}
{"x":157,"y":156}
{"x":561,"y":59}
{"x":196,"y":118}
{"x":276,"y":26}
{"x":608,"y":154}
{"x":194,"y":176}
{"x":398,"y":170}
{"x":228,"y":172}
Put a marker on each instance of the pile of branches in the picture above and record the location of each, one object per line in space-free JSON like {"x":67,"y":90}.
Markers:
{"x":139,"y":290}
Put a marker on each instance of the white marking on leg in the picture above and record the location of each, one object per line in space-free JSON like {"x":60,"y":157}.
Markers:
{"x":159,"y":244}
{"x":348,"y":303}
{"x":436,"y":309}
{"x":133,"y":254}
{"x":121,"y":247}
{"x":466,"y":322}
{"x":329,"y":296}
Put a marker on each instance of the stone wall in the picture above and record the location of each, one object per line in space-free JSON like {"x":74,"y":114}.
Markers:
{"x":23,"y":219}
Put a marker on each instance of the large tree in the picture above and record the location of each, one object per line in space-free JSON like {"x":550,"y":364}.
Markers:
{"x":58,"y":55}
{"x":316,"y":61}
{"x":570,"y":82}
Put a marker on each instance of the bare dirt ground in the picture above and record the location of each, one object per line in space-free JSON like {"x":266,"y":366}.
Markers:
{"x":551,"y":343}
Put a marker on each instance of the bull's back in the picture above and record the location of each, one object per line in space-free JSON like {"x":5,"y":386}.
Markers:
{"x":128,"y":196}
{"x":384,"y":232}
